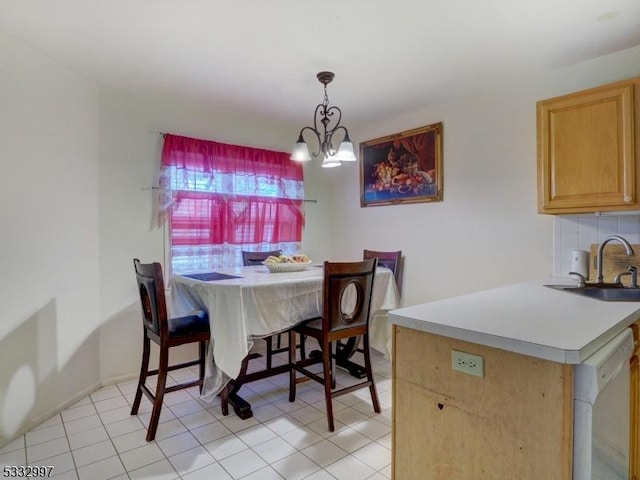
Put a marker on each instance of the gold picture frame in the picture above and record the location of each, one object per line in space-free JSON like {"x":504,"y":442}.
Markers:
{"x":402,"y":168}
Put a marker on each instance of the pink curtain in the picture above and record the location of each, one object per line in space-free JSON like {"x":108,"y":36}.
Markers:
{"x":220,"y":199}
{"x":217,"y":158}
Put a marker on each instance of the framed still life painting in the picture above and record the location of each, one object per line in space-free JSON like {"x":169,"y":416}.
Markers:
{"x":402,"y":168}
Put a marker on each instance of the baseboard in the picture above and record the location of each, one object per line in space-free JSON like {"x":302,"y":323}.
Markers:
{"x":43,"y":417}
{"x":119,"y":379}
{"x":40,"y":419}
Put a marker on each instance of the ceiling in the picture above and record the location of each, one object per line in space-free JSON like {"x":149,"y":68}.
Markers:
{"x":261,"y":56}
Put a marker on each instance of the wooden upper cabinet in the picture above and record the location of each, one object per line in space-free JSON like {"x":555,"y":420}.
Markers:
{"x":588,"y":157}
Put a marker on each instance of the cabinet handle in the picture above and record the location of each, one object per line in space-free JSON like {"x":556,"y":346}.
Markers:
{"x":628,"y":199}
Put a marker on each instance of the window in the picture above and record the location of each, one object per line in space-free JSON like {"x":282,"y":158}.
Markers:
{"x":221,"y":199}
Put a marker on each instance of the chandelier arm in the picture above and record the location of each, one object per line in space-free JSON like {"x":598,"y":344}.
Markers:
{"x":318,"y":116}
{"x":315,"y":132}
{"x":344,"y":130}
{"x":323,"y":114}
{"x":327,"y":113}
{"x":330,"y":112}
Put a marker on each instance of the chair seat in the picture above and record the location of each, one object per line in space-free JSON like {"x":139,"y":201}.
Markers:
{"x":193,"y":324}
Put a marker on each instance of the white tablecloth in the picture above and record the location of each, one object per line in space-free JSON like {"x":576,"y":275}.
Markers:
{"x":259,"y":304}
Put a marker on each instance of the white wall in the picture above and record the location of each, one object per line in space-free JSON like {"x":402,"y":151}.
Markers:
{"x":487,"y":231}
{"x":48,"y":237}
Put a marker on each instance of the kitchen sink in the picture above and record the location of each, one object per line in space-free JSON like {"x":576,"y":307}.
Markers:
{"x":609,"y":292}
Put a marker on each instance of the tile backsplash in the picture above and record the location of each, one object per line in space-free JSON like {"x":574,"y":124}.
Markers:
{"x":578,"y":232}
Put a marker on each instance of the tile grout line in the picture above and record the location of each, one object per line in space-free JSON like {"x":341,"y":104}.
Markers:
{"x":108,"y":435}
{"x":66,"y":436}
{"x":257,"y":394}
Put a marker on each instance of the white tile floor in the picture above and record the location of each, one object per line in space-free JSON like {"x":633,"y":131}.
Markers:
{"x":98,"y":438}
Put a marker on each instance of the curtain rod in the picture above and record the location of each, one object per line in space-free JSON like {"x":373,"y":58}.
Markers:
{"x":158,"y":188}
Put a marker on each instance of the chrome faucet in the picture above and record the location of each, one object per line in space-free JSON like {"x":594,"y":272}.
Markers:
{"x":632,"y":272}
{"x":581,"y":280}
{"x":627,"y":246}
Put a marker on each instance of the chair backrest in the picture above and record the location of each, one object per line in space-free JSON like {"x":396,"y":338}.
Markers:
{"x":151,"y":289}
{"x":348,"y":288}
{"x":394,"y":261}
{"x":256,"y":258}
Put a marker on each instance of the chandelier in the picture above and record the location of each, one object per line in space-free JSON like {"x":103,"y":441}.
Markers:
{"x":324,"y":134}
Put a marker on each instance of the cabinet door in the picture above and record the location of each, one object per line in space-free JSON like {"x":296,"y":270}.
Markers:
{"x":586,"y":151}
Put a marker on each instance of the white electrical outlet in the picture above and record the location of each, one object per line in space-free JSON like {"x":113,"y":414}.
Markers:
{"x":467,"y":363}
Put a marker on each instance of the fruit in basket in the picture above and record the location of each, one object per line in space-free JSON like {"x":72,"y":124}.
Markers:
{"x":297,"y":258}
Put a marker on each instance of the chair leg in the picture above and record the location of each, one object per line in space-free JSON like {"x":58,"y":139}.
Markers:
{"x":203,"y":356}
{"x":292,"y":361}
{"x":279,"y":341}
{"x":144,"y":368}
{"x":367,"y":365}
{"x":331,"y":362}
{"x":163,"y":366}
{"x":224,"y":400}
{"x":303,"y":340}
{"x":328,"y":378}
{"x":269,"y":341}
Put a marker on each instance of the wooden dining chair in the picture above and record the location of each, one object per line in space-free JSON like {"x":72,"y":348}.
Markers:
{"x":256,"y":258}
{"x":394,"y":261}
{"x":167,"y":333}
{"x":347,"y":292}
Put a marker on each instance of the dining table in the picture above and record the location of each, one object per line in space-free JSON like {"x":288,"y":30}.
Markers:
{"x":247,"y":303}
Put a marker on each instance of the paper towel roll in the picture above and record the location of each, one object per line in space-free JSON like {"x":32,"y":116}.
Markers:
{"x":580,"y":262}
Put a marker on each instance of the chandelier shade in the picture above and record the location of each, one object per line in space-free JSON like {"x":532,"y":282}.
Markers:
{"x":300,"y":152}
{"x":326,"y":123}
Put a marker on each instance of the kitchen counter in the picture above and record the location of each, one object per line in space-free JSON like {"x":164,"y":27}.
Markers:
{"x":525,"y":318}
{"x":515,"y":419}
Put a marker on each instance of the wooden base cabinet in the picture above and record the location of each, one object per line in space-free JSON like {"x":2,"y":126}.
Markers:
{"x":513,"y":423}
{"x":588,"y":150}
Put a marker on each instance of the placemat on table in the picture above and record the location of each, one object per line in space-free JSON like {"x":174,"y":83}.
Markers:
{"x":211,"y":276}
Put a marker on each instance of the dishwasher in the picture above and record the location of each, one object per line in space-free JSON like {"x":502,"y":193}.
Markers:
{"x":601,"y":412}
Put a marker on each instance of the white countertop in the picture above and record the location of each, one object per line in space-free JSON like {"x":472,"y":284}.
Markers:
{"x":526,"y":318}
